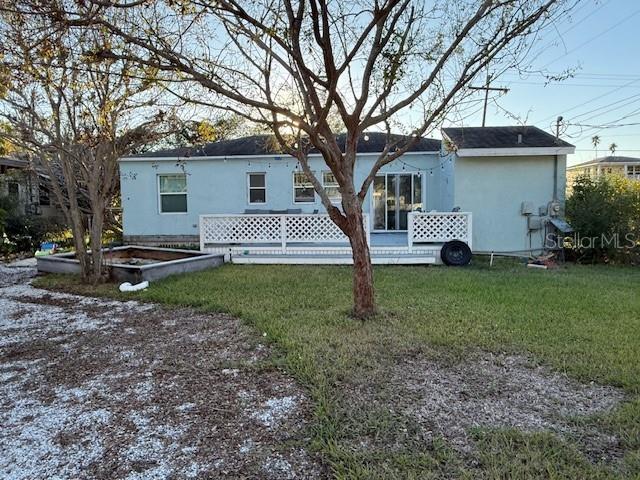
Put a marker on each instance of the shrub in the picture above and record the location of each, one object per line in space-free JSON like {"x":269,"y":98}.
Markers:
{"x":29,"y":231}
{"x":24,"y":233}
{"x":605,"y":213}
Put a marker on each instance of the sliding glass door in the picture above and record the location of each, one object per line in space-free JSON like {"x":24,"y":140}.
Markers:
{"x":394,"y":196}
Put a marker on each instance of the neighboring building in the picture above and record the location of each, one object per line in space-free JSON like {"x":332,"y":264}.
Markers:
{"x":611,"y":165}
{"x":27,"y":185}
{"x":233,"y":196}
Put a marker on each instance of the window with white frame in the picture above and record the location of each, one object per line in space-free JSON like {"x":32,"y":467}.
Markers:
{"x":302,"y":188}
{"x":257,"y":187}
{"x":172,"y":190}
{"x":331,"y":186}
{"x":633,"y":171}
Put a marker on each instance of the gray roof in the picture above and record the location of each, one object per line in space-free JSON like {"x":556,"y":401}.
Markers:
{"x":609,"y":159}
{"x":14,"y":162}
{"x":502,"y":137}
{"x":265,"y":145}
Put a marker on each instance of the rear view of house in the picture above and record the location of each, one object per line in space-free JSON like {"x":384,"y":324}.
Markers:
{"x":491,"y":188}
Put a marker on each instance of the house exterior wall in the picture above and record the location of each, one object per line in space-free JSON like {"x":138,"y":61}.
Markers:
{"x":493,"y":189}
{"x":28,"y":199}
{"x":218,"y":186}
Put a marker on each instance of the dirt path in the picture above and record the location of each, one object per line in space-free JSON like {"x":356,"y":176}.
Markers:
{"x":93,"y":388}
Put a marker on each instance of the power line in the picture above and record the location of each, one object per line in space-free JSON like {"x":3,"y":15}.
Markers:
{"x":595,"y":37}
{"x":551,"y":84}
{"x":606,"y":125}
{"x":586,"y":75}
{"x":617,"y":150}
{"x":626,"y":99}
{"x":579,"y":22}
{"x":602,"y":127}
{"x":582,"y":104}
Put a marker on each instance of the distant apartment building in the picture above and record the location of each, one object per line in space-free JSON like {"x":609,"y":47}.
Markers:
{"x":612,"y":165}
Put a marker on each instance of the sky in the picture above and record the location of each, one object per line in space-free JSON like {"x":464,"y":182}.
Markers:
{"x":601,"y":40}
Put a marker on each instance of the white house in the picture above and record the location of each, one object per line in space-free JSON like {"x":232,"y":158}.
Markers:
{"x":492,"y":188}
{"x":610,"y":165}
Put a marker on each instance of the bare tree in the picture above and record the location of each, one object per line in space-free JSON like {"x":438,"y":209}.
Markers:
{"x":77,"y":114}
{"x":288,"y":65}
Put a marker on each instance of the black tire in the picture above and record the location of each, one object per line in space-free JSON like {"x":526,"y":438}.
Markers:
{"x":455,"y":253}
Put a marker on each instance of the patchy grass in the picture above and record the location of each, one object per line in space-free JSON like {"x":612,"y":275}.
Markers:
{"x":580,"y":320}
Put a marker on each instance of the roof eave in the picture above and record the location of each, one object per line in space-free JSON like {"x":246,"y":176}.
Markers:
{"x":241,"y":157}
{"x":514,"y":151}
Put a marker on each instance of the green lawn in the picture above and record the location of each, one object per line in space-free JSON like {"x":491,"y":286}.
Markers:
{"x":581,"y":320}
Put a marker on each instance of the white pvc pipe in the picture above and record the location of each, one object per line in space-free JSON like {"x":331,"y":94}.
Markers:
{"x":127,"y":287}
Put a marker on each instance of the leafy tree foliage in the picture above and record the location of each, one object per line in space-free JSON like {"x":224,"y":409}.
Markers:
{"x":605,"y":212}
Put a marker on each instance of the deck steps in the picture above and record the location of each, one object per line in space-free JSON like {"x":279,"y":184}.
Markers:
{"x":405,"y":259}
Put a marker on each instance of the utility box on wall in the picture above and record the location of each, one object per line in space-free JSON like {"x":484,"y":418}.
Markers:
{"x":526,"y":208}
{"x":534,"y":222}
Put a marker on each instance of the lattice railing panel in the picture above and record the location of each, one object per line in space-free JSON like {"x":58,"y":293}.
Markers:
{"x":240,"y":229}
{"x":441,"y":227}
{"x":313,"y":228}
{"x":269,"y":229}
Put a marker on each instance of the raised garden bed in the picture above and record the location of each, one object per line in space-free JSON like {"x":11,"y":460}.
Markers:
{"x":136,"y":264}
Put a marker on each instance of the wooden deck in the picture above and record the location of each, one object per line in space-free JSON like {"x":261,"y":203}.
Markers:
{"x":314,"y":239}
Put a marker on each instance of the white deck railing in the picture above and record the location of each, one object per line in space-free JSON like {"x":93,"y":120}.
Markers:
{"x":438,"y":227}
{"x":223,"y":229}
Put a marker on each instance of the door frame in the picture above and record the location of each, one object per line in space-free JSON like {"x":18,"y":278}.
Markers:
{"x":413,"y":174}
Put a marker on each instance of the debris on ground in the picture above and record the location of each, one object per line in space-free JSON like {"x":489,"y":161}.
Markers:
{"x":489,"y":391}
{"x":93,"y":388}
{"x":544,"y":262}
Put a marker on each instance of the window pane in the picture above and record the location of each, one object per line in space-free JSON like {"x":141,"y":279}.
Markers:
{"x":303,"y":188}
{"x":173,"y":183}
{"x":257,"y":195}
{"x":329,"y":178}
{"x":305,"y":194}
{"x":391,"y":201}
{"x":417,"y":193}
{"x":333,"y":192}
{"x":300,"y":180}
{"x":256,"y":180}
{"x":173,"y":203}
{"x":379,"y":200}
{"x":331,"y":185}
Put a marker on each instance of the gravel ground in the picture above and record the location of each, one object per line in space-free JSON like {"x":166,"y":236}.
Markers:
{"x":489,"y":391}
{"x":93,"y":388}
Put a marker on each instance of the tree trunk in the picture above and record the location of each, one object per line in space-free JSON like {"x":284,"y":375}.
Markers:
{"x":363,"y":293}
{"x":95,"y":235}
{"x":78,"y":230}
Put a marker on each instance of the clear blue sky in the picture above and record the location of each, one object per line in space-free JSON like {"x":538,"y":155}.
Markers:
{"x":602,"y":38}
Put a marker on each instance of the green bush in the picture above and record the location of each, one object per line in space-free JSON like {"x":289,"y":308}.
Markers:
{"x":605,"y":213}
{"x":23,"y":233}
{"x":29,"y":231}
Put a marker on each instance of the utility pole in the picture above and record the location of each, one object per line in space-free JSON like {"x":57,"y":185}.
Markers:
{"x":486,"y":89}
{"x":558,"y":122}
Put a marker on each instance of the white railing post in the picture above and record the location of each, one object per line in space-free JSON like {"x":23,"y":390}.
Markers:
{"x":470,"y":231}
{"x":283,"y":232}
{"x":410,"y":231}
{"x":201,"y":233}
